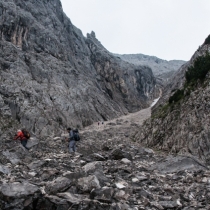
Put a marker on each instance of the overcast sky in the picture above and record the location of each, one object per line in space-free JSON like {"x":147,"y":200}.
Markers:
{"x":168,"y":29}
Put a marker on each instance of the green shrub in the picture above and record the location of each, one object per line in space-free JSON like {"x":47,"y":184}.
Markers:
{"x":196,"y":72}
{"x":178,"y":95}
{"x":199,"y":69}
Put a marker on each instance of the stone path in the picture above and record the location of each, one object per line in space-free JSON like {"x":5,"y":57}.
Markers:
{"x":124,"y":121}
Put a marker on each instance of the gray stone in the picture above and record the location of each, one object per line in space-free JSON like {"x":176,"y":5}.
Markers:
{"x":58,"y":185}
{"x":36,"y":164}
{"x":12,"y":157}
{"x":89,"y":183}
{"x":18,"y":190}
{"x":92,"y":167}
{"x":125,"y":161}
{"x":176,"y":164}
{"x":104,"y":194}
{"x":72,"y":198}
{"x":170,"y":204}
{"x":4,"y":169}
{"x":118,"y":154}
{"x":122,"y":195}
{"x":32,"y":142}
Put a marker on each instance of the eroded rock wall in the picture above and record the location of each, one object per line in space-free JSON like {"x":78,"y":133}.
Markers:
{"x":51,"y":76}
{"x":162,"y":69}
{"x":182,"y":127}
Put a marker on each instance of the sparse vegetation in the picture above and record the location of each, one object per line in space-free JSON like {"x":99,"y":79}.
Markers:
{"x":195,"y":73}
{"x":162,"y":112}
{"x":199,"y":70}
{"x":178,"y":95}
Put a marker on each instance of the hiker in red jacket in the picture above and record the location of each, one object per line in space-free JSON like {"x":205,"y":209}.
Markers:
{"x":22,"y":138}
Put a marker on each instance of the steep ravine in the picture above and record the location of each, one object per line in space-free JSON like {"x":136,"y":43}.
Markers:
{"x":110,"y":171}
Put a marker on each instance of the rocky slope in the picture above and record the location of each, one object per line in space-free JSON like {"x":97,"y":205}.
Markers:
{"x":162,"y":69}
{"x":52,"y":76}
{"x":110,"y":171}
{"x":180,"y":120}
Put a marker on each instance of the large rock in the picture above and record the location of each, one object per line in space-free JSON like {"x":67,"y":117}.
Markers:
{"x":4,"y":169}
{"x":12,"y":157}
{"x":179,"y":163}
{"x":86,"y":184}
{"x":104,"y":194}
{"x":92,"y":167}
{"x":118,"y":154}
{"x":18,"y":195}
{"x":18,"y":190}
{"x":58,"y":185}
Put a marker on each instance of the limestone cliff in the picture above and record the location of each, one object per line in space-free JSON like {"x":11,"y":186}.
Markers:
{"x":162,"y":69}
{"x":51,"y":76}
{"x":180,"y":121}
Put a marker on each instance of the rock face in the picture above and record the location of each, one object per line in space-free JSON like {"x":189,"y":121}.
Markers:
{"x":162,"y":69}
{"x":182,"y":126}
{"x":52,"y":76}
{"x":127,"y":176}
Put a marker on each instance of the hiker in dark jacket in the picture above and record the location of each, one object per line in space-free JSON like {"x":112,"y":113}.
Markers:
{"x":22,"y":138}
{"x":72,"y":143}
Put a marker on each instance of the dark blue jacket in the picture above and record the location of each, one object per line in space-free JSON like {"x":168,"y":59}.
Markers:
{"x":71,"y":135}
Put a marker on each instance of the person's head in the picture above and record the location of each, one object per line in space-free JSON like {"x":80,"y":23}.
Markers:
{"x":68,"y":129}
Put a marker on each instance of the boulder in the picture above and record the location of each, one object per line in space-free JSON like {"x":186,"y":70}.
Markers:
{"x":92,"y":167}
{"x":104,"y":194}
{"x":118,"y":154}
{"x":89,"y":183}
{"x":60,"y":184}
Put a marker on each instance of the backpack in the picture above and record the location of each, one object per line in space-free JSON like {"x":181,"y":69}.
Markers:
{"x":26,"y":134}
{"x":76,"y":135}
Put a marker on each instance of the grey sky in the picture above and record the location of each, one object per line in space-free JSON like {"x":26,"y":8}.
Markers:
{"x":168,"y":29}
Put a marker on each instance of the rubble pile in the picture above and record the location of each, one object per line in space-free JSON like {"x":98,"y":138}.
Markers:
{"x":108,"y":171}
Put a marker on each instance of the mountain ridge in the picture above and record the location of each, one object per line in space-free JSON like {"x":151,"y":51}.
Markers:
{"x":52,"y":76}
{"x":161,"y":68}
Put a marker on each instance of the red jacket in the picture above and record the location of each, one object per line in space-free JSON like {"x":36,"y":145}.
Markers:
{"x":20,"y":136}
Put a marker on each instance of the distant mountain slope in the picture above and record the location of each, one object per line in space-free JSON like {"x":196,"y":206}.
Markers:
{"x":51,"y":76}
{"x":161,"y":68}
{"x":180,"y":121}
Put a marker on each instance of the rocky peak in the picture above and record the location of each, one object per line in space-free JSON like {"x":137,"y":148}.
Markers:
{"x":162,"y":69}
{"x":51,"y":76}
